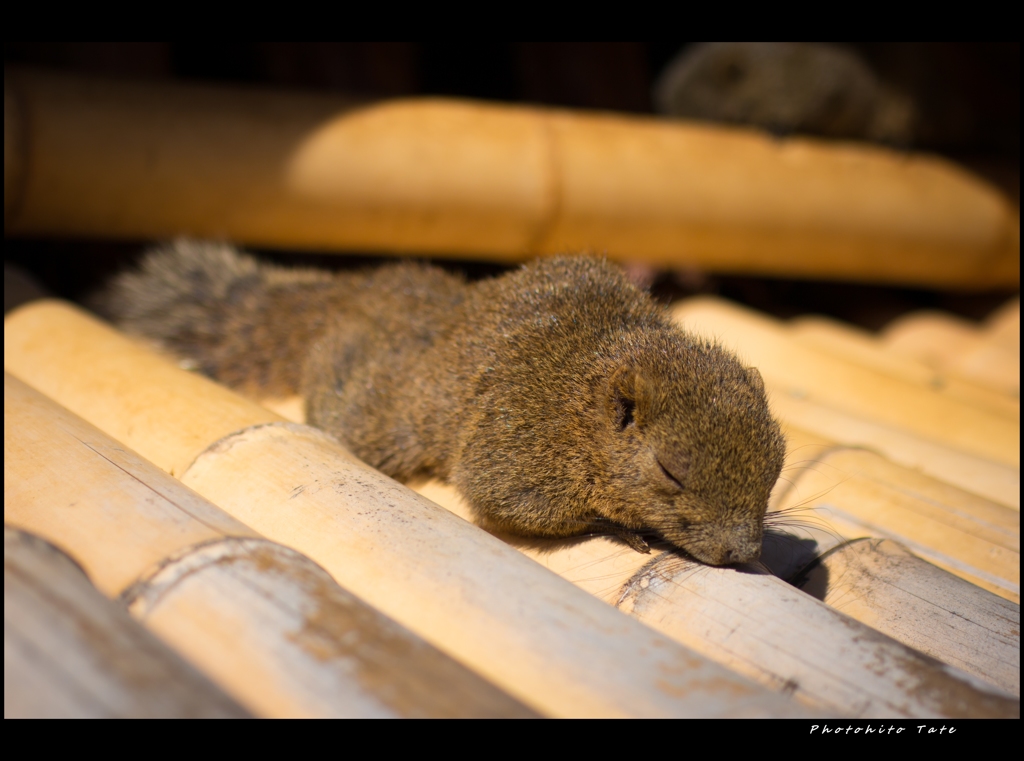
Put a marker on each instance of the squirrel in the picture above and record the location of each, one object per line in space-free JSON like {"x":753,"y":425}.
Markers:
{"x":558,"y":398}
{"x":786,"y":87}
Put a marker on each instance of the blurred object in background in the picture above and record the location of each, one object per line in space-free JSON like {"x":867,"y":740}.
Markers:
{"x":785,"y":87}
{"x":959,"y":99}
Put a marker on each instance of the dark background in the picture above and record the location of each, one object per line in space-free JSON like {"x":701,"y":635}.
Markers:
{"x":968,"y":95}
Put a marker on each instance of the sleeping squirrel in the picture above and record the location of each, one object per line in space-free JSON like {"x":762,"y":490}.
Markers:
{"x":558,"y":398}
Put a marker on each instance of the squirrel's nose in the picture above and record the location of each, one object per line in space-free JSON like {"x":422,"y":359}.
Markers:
{"x":741,"y":554}
{"x":731,"y":549}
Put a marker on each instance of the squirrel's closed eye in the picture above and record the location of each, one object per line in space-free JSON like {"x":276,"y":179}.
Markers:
{"x":624,"y":409}
{"x":669,"y":476}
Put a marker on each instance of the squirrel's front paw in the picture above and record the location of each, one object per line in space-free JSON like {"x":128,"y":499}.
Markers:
{"x":634,"y":540}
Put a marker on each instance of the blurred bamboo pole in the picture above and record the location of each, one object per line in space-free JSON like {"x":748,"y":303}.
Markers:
{"x":987,"y":356}
{"x":847,"y":343}
{"x":95,"y":158}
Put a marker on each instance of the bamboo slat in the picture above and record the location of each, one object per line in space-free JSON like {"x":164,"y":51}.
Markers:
{"x":135,"y":398}
{"x":267,"y":624}
{"x":111,"y":510}
{"x":761,"y":627}
{"x":880,"y":583}
{"x":557,"y":648}
{"x":848,"y":343}
{"x":972,"y":537}
{"x":331,"y":654}
{"x":69,"y":652}
{"x":1003,"y":327}
{"x":88,"y":157}
{"x":961,"y":349}
{"x":991,"y":480}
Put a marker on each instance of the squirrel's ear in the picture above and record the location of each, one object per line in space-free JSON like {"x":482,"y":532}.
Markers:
{"x":755,"y":379}
{"x":622,"y":394}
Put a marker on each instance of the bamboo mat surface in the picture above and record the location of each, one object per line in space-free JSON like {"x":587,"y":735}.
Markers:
{"x":893,"y":535}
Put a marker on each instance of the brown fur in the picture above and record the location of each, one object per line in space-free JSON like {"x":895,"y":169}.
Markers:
{"x":558,"y":398}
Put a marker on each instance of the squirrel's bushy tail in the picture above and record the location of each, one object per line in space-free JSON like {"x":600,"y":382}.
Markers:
{"x":175,"y":288}
{"x":211,"y":305}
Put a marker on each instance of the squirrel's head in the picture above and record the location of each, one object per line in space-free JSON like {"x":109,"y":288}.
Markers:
{"x":695,"y":450}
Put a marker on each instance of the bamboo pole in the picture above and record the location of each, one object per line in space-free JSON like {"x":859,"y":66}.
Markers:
{"x":89,"y":157}
{"x":126,"y":522}
{"x":267,"y":624}
{"x":553,"y":646}
{"x":990,"y":480}
{"x":859,"y":493}
{"x":71,"y":653}
{"x":1003,"y":327}
{"x":757,"y":625}
{"x":961,"y":349}
{"x":130,"y":383}
{"x":849,"y":343}
{"x":880,"y":583}
{"x":974,"y":448}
